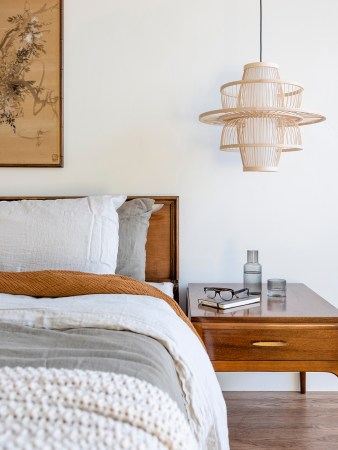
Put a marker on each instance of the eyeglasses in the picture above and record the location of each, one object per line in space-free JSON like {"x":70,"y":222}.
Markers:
{"x":226,"y":293}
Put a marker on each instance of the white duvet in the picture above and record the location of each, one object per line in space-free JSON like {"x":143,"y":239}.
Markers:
{"x":146,"y":315}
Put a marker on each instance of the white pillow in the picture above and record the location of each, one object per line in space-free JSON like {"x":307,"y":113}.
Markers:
{"x":66,"y":234}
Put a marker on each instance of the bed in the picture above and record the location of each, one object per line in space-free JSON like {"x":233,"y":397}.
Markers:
{"x":93,"y":360}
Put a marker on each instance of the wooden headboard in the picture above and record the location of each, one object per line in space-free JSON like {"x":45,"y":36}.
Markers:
{"x":162,"y":242}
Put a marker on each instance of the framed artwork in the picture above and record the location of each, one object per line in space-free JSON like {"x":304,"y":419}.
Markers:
{"x":31,"y":83}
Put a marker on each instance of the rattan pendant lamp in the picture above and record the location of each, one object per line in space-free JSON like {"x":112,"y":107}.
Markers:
{"x":261,"y":115}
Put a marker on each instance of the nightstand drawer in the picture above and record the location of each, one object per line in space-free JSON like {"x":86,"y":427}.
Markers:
{"x":262,"y":342}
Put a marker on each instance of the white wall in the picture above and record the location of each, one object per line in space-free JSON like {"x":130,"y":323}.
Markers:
{"x":138,"y":74}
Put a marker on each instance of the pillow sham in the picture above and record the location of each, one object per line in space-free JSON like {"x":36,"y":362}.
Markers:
{"x":134,"y":218}
{"x":66,"y":234}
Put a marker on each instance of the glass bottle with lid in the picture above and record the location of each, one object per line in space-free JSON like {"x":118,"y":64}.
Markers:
{"x":253,"y":273}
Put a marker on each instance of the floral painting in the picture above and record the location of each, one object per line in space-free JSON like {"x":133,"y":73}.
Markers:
{"x":30,"y":83}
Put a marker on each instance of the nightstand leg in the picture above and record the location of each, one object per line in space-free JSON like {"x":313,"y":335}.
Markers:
{"x":302,"y":382}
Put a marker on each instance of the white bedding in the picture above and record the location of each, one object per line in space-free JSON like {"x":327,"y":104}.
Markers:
{"x":146,"y":315}
{"x":166,"y":287}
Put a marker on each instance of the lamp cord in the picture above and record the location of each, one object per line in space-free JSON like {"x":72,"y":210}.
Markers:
{"x":260,"y":30}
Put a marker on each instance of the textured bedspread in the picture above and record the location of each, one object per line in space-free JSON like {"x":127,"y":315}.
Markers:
{"x":121,"y":352}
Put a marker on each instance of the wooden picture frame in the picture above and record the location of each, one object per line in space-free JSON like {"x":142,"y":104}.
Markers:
{"x":31,"y":69}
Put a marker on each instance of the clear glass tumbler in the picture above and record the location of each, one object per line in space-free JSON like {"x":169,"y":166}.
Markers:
{"x":276,"y":287}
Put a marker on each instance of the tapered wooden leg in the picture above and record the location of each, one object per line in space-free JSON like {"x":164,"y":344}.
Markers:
{"x":302,"y":376}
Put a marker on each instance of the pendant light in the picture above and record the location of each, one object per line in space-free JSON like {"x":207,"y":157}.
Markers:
{"x":261,"y":115}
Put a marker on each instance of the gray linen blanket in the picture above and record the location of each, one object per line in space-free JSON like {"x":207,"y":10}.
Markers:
{"x":122,"y":352}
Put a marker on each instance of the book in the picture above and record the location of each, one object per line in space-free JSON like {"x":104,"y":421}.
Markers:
{"x":234,"y":303}
{"x":245,"y":310}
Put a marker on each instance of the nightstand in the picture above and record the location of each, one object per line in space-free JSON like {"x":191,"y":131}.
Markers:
{"x":299,"y":334}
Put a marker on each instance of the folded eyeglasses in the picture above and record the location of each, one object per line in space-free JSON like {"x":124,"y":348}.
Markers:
{"x":225,"y":294}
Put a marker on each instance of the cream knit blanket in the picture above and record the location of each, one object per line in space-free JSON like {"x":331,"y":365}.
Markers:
{"x":76,"y":409}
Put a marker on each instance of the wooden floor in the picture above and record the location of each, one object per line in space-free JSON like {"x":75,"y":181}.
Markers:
{"x":280,"y":420}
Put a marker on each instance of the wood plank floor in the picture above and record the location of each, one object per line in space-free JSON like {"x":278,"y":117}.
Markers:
{"x":280,"y":420}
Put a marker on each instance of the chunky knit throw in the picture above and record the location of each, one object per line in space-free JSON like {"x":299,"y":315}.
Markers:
{"x":75,"y":409}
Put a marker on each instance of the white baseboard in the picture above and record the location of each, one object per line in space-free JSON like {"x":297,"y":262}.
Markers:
{"x":267,"y":381}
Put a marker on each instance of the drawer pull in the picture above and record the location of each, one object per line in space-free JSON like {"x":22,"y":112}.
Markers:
{"x":270,"y":344}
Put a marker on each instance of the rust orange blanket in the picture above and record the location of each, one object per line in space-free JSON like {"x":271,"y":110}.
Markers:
{"x":56,"y":283}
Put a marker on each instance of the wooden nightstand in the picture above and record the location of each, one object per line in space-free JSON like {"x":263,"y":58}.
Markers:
{"x":299,"y":334}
